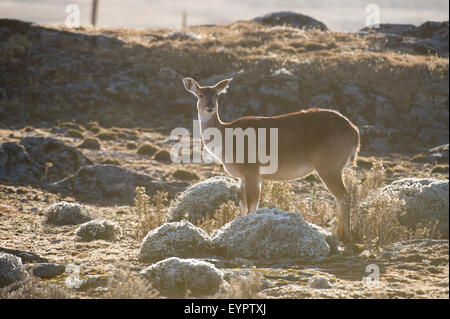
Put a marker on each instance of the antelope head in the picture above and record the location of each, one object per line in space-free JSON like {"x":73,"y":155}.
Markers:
{"x":207,"y":96}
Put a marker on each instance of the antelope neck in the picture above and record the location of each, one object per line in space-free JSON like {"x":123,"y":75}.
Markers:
{"x":210,"y":121}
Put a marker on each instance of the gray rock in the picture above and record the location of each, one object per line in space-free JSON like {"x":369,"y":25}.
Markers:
{"x":175,"y":277}
{"x":178,"y":239}
{"x":399,"y":29}
{"x":66,"y":160}
{"x":17,"y":166}
{"x":270,"y":234}
{"x":25,"y":256}
{"x":98,"y":183}
{"x":429,"y":37}
{"x":64,"y":213}
{"x":25,"y":163}
{"x":292,"y":19}
{"x":203,"y":199}
{"x":47,"y":270}
{"x":11,"y":269}
{"x":99,"y":229}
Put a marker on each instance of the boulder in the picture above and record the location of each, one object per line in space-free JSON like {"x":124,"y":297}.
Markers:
{"x":66,"y":160}
{"x":99,"y":183}
{"x":269,"y":235}
{"x":292,"y":19}
{"x":64,"y":213}
{"x":178,"y":239}
{"x":11,"y":269}
{"x":25,"y":162}
{"x":393,"y":28}
{"x":47,"y":270}
{"x":17,"y":166}
{"x":25,"y":256}
{"x":177,"y":277}
{"x":429,"y":37}
{"x":99,"y":229}
{"x":203,"y":199}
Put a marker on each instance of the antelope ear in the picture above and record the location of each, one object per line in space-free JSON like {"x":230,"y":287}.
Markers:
{"x":222,"y":86}
{"x":191,"y":85}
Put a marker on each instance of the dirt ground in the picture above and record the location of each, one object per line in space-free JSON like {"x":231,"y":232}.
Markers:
{"x":412,"y":269}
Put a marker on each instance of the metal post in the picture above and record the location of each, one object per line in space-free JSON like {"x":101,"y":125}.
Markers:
{"x":94,"y":12}
{"x":184,"y":18}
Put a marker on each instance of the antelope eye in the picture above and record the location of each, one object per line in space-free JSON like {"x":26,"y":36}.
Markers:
{"x":201,"y":95}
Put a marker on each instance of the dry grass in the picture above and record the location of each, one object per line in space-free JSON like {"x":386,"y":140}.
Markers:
{"x":34,"y":288}
{"x":151,"y":213}
{"x":223,"y":215}
{"x":313,"y":208}
{"x":130,"y":286}
{"x":242,"y":288}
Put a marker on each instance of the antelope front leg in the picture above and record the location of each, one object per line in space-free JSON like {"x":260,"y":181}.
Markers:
{"x":343,"y":230}
{"x":243,"y":198}
{"x":253,"y":186}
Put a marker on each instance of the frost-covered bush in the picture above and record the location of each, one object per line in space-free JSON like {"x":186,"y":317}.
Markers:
{"x":99,"y":229}
{"x":175,"y":277}
{"x":180,"y":239}
{"x":203,"y":199}
{"x":64,"y":213}
{"x":320,"y":282}
{"x":182,"y":35}
{"x":270,"y":234}
{"x":410,"y":202}
{"x":11,"y":269}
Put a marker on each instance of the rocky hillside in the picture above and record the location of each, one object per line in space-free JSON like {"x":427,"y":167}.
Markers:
{"x":392,"y":83}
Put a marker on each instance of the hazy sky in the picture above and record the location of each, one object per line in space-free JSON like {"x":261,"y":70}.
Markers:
{"x":346,"y":15}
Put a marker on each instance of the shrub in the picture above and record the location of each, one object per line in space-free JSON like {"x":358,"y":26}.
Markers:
{"x":184,"y":175}
{"x":440,"y":169}
{"x":64,"y":213}
{"x":131,"y":145}
{"x":111,"y":161}
{"x":34,"y":288}
{"x":99,"y":229}
{"x":162,"y":156}
{"x":147,"y":149}
{"x":90,"y":143}
{"x":74,"y":133}
{"x":106,"y":136}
